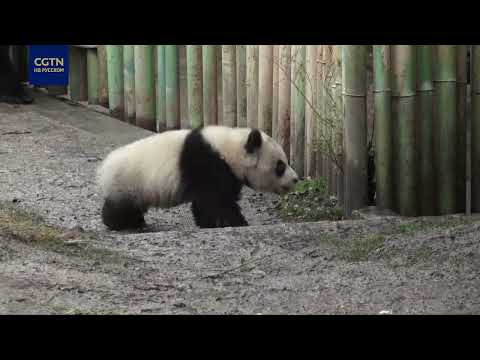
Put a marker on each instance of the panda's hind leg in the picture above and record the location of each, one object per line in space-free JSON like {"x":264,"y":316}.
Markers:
{"x":122,"y":214}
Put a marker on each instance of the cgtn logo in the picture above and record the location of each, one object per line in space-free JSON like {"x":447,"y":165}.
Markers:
{"x":48,"y":65}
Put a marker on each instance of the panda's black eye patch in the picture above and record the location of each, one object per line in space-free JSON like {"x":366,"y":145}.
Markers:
{"x":280,"y":168}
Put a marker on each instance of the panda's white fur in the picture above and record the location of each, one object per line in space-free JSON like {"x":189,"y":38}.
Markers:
{"x":207,"y":166}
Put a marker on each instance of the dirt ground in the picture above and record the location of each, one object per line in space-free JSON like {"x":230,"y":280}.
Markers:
{"x":56,"y":257}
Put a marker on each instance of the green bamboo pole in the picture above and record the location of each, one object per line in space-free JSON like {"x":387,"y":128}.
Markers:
{"x":210,"y":95}
{"x":161,"y":113}
{"x":92,"y":75}
{"x":403,"y":107}
{"x":102,"y":75}
{"x":383,"y":126}
{"x":229,"y":86}
{"x":194,"y":85}
{"x":284,"y":87}
{"x":265,"y":89}
{"x":461,"y":114}
{"x":425,"y":131}
{"x":275,"y":93}
{"x":310,"y":108}
{"x":338,"y":130}
{"x":172,"y":88}
{"x":297,"y":138}
{"x":445,"y":102}
{"x":354,"y":99}
{"x":241,"y":62}
{"x":129,"y":82}
{"x":144,"y":87}
{"x":252,"y":86}
{"x":78,"y":74}
{"x":115,"y":79}
{"x":475,"y":126}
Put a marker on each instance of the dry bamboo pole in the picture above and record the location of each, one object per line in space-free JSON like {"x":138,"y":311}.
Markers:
{"x":461,"y":93}
{"x":403,"y":111}
{"x":92,"y":75}
{"x":445,"y":103}
{"x":252,"y":86}
{"x":210,"y":94}
{"x":265,"y":88}
{"x":241,"y":62}
{"x":77,"y":87}
{"x":355,"y":105}
{"x":425,"y":131}
{"x":129,"y":82}
{"x":297,"y":138}
{"x":144,"y":87}
{"x":161,"y":114}
{"x":327,"y":115}
{"x":475,"y":127}
{"x":229,"y":86}
{"x":102,"y":76}
{"x":383,"y":126}
{"x":338,"y":129}
{"x":321,"y":112}
{"x":115,"y":79}
{"x":310,"y":110}
{"x":275,"y":93}
{"x":468,"y":140}
{"x":284,"y":87}
{"x":194,"y":85}
{"x":172,"y":87}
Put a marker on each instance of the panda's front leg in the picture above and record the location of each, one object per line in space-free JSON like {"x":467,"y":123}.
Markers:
{"x":232,"y":216}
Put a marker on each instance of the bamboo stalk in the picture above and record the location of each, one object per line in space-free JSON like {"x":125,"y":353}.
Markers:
{"x":265,"y":83}
{"x":338,"y":134}
{"x":115,"y":79}
{"x":161,"y":114}
{"x":209,"y":84}
{"x":475,"y":127}
{"x":310,"y":108}
{"x":321,"y":112}
{"x":445,"y":98}
{"x":461,"y":93}
{"x":354,"y":99}
{"x":383,"y":126}
{"x":403,"y":108}
{"x":327,"y":116}
{"x":425,"y":131}
{"x":92,"y":75}
{"x":241,"y":62}
{"x":229,"y":85}
{"x":284,"y":98}
{"x":252,"y":86}
{"x":194,"y":85}
{"x":144,"y":87}
{"x":129,"y":82}
{"x":172,"y":87}
{"x":297,"y":138}
{"x":102,"y":75}
{"x":275,"y":93}
{"x":78,"y":89}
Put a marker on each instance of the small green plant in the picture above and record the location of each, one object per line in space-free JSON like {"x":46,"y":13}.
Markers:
{"x":309,"y":201}
{"x":359,"y":248}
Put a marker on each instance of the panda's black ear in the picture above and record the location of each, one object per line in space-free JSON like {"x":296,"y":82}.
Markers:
{"x":254,"y":141}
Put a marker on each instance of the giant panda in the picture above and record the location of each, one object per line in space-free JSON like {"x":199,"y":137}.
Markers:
{"x":206,"y":166}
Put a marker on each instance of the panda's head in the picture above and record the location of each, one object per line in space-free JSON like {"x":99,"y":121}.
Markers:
{"x":264,"y":164}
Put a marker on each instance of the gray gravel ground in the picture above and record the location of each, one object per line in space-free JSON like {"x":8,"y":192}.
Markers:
{"x":48,"y":155}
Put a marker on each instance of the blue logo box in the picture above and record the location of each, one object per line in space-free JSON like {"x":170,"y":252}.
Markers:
{"x":48,"y":65}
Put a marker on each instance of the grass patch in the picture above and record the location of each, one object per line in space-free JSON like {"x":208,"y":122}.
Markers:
{"x":415,"y":227}
{"x":309,"y":201}
{"x":32,"y":230}
{"x":357,"y":249}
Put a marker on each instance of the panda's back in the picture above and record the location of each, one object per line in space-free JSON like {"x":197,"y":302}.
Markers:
{"x":146,"y":169}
